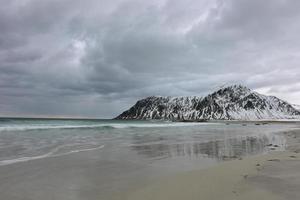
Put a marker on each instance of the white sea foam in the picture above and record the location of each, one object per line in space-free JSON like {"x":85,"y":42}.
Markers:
{"x":47,"y":155}
{"x":41,"y":127}
{"x":111,"y":125}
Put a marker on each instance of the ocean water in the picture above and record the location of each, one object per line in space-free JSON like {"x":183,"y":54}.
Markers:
{"x":23,"y":140}
{"x":107,"y":159}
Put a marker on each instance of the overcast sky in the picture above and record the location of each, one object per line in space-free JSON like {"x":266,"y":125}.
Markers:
{"x":95,"y":58}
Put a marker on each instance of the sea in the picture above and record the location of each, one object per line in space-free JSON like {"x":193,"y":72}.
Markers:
{"x":105,"y":156}
{"x":23,"y":140}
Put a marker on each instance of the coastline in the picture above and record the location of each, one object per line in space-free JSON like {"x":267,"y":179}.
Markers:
{"x":272,"y":176}
{"x":136,"y":169}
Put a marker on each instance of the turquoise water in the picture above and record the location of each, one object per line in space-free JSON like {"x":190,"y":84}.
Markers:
{"x":22,"y":140}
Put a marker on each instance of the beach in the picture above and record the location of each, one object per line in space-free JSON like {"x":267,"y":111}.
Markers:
{"x":134,"y":160}
{"x":272,"y":176}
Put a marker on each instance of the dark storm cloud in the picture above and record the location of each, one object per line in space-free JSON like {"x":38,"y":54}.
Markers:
{"x":95,"y":58}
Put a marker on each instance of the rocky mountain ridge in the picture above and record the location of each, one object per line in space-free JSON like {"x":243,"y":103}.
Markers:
{"x":235,"y":102}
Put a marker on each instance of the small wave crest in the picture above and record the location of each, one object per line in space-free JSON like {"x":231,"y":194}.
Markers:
{"x":47,"y":155}
{"x":103,"y":126}
{"x":43,"y":127}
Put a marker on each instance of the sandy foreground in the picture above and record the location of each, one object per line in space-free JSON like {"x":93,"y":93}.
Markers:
{"x":272,"y":176}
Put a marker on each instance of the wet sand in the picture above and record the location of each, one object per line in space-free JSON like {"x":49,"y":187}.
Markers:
{"x":272,"y":176}
{"x":84,"y":175}
{"x":133,"y":173}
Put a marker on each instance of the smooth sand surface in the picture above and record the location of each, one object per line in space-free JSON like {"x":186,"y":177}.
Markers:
{"x":272,"y":176}
{"x":97,"y":175}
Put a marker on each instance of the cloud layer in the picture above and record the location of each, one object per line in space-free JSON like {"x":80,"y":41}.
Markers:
{"x":94,"y":58}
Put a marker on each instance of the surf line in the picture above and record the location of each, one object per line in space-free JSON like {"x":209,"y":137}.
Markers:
{"x":47,"y":155}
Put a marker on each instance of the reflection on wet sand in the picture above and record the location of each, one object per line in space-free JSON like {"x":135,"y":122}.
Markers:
{"x":218,"y":149}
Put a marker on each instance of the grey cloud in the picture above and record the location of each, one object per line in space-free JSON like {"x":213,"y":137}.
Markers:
{"x":95,"y":58}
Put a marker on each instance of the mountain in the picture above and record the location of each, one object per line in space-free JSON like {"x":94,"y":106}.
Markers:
{"x":235,"y":102}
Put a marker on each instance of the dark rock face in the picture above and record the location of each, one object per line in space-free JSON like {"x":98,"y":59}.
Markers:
{"x":234,"y":102}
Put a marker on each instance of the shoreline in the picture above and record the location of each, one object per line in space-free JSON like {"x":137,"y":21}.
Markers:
{"x":272,"y":176}
{"x":116,"y":173}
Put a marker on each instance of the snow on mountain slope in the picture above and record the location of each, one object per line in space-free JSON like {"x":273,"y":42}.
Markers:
{"x":231,"y":103}
{"x":297,"y":107}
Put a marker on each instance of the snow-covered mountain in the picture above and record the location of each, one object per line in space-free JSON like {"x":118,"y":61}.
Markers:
{"x":231,"y":103}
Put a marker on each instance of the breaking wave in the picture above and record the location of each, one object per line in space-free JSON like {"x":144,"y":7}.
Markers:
{"x":47,"y":155}
{"x":25,"y":127}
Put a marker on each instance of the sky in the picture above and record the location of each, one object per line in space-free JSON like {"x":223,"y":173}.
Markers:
{"x":95,"y":58}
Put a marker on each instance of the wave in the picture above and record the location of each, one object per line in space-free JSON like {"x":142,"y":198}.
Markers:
{"x":47,"y":155}
{"x":104,"y":126}
{"x":41,"y":127}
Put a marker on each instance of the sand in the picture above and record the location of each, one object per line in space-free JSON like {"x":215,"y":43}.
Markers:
{"x":88,"y":175}
{"x":272,"y":176}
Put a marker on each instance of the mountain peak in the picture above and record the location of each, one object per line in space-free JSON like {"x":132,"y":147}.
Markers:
{"x":236,"y":87}
{"x":234,"y":92}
